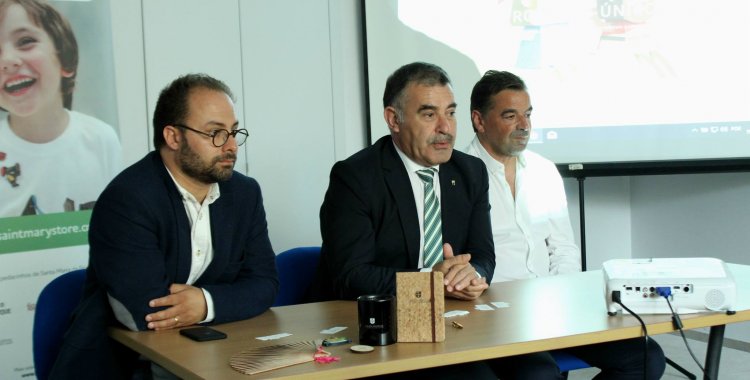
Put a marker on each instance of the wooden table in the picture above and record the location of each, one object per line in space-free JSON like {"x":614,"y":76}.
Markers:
{"x":544,"y":314}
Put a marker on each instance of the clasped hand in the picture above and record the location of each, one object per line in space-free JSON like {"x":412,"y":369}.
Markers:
{"x":459,"y":276}
{"x":185,"y":304}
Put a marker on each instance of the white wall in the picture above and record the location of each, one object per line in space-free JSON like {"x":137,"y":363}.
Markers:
{"x":304,"y":102}
{"x":193,"y":36}
{"x":607,"y":217}
{"x":694,"y":215}
{"x":130,"y":79}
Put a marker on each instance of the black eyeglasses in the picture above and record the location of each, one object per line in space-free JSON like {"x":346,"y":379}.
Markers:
{"x":219,"y":137}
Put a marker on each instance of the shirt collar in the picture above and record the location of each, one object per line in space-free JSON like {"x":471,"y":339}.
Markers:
{"x":411,"y":166}
{"x":213,"y":191}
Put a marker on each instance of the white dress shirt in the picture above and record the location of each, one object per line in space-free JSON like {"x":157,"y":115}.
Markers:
{"x":200,"y":237}
{"x":532,"y":233}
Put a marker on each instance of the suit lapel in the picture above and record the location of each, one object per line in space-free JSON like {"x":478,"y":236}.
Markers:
{"x":397,"y":181}
{"x":448,"y":185}
{"x":221,"y":232}
{"x":183,"y":259}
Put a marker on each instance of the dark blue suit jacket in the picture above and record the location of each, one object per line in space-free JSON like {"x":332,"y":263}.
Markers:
{"x":140,"y":244}
{"x":370,"y":226}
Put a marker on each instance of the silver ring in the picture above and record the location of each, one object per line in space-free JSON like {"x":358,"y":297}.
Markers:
{"x":176,"y":320}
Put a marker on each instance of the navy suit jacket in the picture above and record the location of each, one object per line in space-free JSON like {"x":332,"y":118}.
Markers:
{"x":370,"y":226}
{"x":139,"y":240}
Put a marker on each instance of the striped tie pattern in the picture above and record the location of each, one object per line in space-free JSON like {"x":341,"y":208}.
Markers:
{"x":433,"y":228}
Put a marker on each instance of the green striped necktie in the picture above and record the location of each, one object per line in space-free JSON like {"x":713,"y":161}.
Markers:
{"x":433,"y":227}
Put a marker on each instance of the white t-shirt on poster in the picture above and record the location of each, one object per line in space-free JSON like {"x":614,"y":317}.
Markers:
{"x":66,"y":174}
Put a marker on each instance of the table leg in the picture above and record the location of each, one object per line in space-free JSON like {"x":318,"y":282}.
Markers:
{"x":713,"y":352}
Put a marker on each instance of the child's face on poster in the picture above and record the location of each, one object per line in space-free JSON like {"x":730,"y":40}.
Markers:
{"x":30,"y":71}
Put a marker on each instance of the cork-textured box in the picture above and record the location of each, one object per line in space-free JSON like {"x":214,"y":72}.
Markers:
{"x":420,"y":306}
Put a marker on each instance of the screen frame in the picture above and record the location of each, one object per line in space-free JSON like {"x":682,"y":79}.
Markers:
{"x":632,"y":168}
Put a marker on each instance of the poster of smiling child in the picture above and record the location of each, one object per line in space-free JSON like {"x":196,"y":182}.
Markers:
{"x":54,"y":159}
{"x":56,"y":154}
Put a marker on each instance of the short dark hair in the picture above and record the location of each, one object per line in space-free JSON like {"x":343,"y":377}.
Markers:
{"x":172,"y":106}
{"x":490,"y":84}
{"x":417,"y":72}
{"x":60,"y":32}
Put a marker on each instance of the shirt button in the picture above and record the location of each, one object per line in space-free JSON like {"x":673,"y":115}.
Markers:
{"x":198,"y":252}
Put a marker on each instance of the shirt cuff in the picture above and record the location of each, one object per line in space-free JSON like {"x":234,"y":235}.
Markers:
{"x":425,"y":269}
{"x":479,"y":274}
{"x":209,"y":306}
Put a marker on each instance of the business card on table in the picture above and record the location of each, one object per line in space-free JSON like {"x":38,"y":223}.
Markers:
{"x":500,"y":304}
{"x":483,"y":307}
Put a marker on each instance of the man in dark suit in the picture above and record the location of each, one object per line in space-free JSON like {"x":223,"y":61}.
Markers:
{"x":371,"y":219}
{"x":177,"y":239}
{"x":376,"y":210}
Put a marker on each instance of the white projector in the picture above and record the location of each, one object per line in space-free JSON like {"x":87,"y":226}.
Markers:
{"x":694,"y":284}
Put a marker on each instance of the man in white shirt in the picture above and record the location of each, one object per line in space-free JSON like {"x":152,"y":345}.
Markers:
{"x":538,"y":240}
{"x":531,"y":228}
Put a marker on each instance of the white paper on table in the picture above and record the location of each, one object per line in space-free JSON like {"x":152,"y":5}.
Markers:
{"x":275,"y":336}
{"x":455,"y":313}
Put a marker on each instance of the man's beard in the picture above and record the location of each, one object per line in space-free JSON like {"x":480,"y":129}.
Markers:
{"x":193,"y":166}
{"x":514,"y":149}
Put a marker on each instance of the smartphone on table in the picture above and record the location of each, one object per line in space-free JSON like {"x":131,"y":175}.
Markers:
{"x":202,"y":334}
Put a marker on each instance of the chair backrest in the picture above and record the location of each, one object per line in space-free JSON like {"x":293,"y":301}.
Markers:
{"x":296,"y":268}
{"x":52,"y":317}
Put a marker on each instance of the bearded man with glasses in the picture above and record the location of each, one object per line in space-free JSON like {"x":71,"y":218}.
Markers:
{"x":177,"y":239}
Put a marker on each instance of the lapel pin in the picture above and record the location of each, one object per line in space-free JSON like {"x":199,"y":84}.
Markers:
{"x":453,"y":182}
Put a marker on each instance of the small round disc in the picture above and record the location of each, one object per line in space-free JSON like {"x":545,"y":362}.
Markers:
{"x":361,"y":348}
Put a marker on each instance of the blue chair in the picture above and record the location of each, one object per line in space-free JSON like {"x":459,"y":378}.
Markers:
{"x":52,"y":316}
{"x":296,"y":268}
{"x":567,"y":362}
